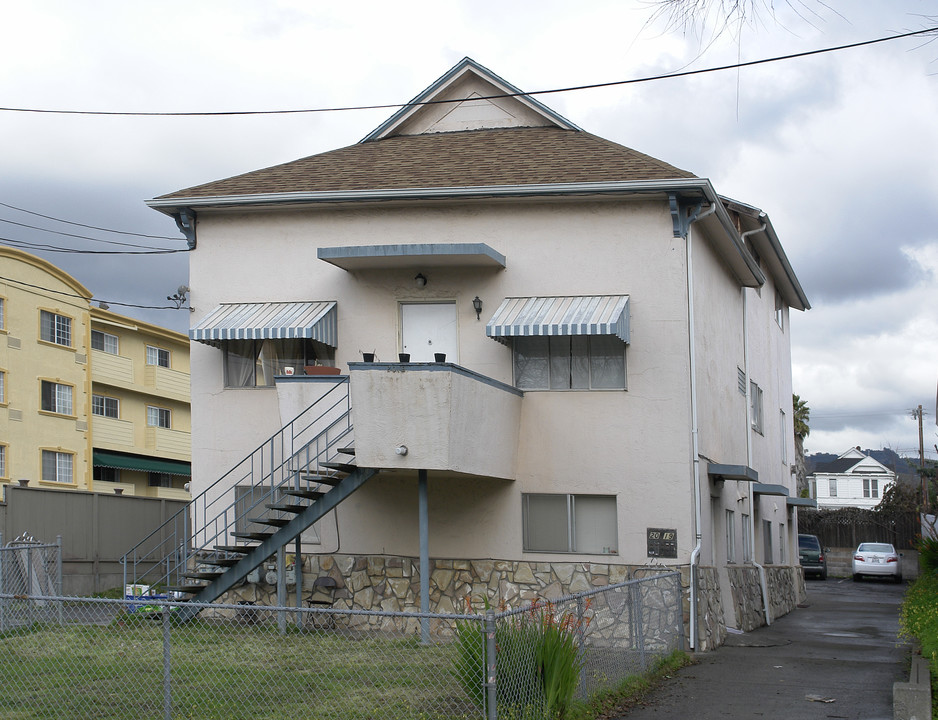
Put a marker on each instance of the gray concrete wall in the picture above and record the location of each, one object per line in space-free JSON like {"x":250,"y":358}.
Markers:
{"x":96,"y":529}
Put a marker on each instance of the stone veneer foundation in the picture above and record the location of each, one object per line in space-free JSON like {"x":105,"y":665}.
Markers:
{"x":392,"y":584}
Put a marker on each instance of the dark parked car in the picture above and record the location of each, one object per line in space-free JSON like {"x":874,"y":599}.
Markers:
{"x":812,"y":556}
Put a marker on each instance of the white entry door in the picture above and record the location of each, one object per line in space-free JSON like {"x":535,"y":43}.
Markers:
{"x":429,"y":328}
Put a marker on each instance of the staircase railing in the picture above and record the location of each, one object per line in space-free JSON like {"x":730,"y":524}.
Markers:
{"x":298,"y":449}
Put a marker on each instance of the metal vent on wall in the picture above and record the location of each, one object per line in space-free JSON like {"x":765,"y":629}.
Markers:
{"x":81,"y":426}
{"x":14,"y":342}
{"x":16,"y":415}
{"x":81,"y":358}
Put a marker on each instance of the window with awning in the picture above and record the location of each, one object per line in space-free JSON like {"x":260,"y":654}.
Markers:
{"x":565,"y":343}
{"x":261,"y":340}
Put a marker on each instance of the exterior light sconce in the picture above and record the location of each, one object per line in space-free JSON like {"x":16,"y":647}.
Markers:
{"x":420,"y":280}
{"x":477,"y":306}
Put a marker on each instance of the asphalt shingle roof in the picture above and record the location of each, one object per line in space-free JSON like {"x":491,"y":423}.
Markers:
{"x":840,"y":465}
{"x":510,"y":156}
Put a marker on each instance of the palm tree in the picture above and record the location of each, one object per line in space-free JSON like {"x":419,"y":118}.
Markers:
{"x":801,"y":414}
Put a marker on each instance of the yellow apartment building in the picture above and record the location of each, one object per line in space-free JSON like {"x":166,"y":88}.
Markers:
{"x":89,"y":399}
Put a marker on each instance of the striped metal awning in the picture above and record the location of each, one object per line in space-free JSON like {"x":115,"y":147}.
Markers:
{"x":568,"y":315}
{"x":268,"y":321}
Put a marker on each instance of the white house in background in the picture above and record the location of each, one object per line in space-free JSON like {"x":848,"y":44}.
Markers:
{"x":852,"y":480}
{"x":616,"y":392}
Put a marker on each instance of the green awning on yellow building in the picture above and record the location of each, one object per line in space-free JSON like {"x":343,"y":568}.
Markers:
{"x":124,"y":461}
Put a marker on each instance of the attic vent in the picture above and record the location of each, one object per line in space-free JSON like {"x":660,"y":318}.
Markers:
{"x":741,"y":380}
{"x":81,"y":358}
{"x":14,"y":342}
{"x":16,"y":415}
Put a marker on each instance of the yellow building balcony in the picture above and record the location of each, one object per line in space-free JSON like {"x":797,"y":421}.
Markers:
{"x":111,"y":369}
{"x":166,"y":382}
{"x":112,"y":432}
{"x":172,"y":443}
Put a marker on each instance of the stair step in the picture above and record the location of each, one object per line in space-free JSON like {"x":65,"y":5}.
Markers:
{"x":350,"y":450}
{"x":203,"y":574}
{"x":243,"y":549}
{"x":253,"y":535}
{"x":340,"y":466}
{"x":223,"y":561}
{"x":287,"y":507}
{"x":190,"y":588}
{"x":321,"y":478}
{"x":308,"y":494}
{"x":276,"y":522}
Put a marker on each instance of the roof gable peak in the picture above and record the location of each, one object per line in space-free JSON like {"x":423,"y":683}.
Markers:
{"x":468,"y":97}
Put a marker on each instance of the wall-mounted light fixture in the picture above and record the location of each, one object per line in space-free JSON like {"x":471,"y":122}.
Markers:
{"x":420,"y":280}
{"x":477,"y":306}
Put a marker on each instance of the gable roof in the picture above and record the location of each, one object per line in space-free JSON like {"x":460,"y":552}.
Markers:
{"x":506,"y":156}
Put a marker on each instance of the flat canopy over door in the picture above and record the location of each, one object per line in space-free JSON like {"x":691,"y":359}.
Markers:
{"x":429,"y":328}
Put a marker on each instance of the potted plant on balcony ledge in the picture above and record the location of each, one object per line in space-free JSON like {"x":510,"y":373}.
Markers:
{"x":319,"y":369}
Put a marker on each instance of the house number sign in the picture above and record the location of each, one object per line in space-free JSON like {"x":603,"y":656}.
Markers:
{"x":662,"y":542}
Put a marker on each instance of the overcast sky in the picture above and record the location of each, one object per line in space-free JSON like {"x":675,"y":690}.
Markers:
{"x":840,"y":149}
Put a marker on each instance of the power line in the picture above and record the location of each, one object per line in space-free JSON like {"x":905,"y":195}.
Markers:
{"x":89,"y":227}
{"x":89,"y":299}
{"x":591,"y":86}
{"x":55,"y":248}
{"x":82,"y":237}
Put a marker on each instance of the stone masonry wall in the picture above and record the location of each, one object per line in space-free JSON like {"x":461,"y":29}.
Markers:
{"x":785,"y":588}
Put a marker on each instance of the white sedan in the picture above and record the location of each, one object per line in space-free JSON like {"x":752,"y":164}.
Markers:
{"x":879,"y":559}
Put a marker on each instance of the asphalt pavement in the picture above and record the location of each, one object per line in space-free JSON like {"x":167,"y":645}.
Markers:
{"x":836,"y":656}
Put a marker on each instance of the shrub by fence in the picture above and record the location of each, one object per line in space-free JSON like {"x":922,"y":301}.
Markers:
{"x":69,"y":658}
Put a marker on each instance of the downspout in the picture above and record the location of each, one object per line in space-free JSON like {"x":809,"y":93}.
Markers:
{"x":763,"y":584}
{"x":692,"y":353}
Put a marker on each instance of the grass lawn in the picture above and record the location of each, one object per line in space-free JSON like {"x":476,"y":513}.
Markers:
{"x":221,"y":670}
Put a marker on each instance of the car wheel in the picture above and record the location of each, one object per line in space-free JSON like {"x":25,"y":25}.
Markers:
{"x":856,"y":578}
{"x":823,"y":574}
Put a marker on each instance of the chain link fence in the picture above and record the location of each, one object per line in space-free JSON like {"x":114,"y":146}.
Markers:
{"x":70,"y":658}
{"x":29,"y":567}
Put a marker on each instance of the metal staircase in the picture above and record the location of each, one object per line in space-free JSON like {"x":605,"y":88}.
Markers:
{"x":288,"y":483}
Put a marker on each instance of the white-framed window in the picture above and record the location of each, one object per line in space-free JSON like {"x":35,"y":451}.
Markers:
{"x":833,"y":487}
{"x":870,"y":487}
{"x":783,"y":431}
{"x":105,"y":406}
{"x":755,"y":399}
{"x":782,"y":558}
{"x":3,"y":461}
{"x":730,"y":536}
{"x":569,"y":523}
{"x":768,"y":551}
{"x":56,"y":397}
{"x":569,"y":362}
{"x":158,"y":417}
{"x":56,"y":466}
{"x":255,"y":363}
{"x":105,"y":342}
{"x":779,"y":310}
{"x":106,"y":474}
{"x":158,"y":479}
{"x":747,"y":538}
{"x":55,"y":328}
{"x":157,"y":356}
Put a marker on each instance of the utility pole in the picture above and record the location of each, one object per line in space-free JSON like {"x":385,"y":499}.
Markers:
{"x":917,"y":413}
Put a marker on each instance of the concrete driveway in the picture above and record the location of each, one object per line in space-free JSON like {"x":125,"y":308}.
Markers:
{"x":841,"y":646}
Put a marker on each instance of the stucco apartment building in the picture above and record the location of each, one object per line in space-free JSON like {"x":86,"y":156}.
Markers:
{"x":89,"y":399}
{"x":612,"y":394}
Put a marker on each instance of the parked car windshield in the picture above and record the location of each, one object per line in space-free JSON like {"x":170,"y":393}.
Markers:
{"x":876,"y":547}
{"x":808,"y":542}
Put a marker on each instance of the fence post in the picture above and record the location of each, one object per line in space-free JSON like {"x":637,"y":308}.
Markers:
{"x":636,"y":592}
{"x":580,"y":612}
{"x":29,"y":582}
{"x":58,"y":575}
{"x":281,"y":590}
{"x":491,"y":712}
{"x":3,"y":602}
{"x":167,"y":668}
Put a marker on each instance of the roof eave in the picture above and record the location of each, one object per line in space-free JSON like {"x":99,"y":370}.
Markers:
{"x":694,"y":186}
